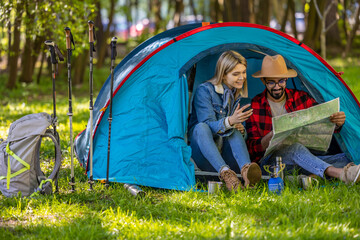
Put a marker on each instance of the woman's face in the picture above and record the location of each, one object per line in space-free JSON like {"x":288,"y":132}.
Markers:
{"x":236,"y":77}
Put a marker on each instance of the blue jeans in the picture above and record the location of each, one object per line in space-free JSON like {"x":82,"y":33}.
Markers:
{"x":207,"y":156}
{"x":298,"y":157}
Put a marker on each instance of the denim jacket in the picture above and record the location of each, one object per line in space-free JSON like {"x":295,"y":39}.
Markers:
{"x":211,"y":105}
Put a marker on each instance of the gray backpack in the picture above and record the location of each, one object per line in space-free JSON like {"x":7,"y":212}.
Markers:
{"x":19,"y":157}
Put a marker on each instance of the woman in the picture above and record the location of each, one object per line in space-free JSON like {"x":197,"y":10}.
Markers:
{"x":216,"y":132}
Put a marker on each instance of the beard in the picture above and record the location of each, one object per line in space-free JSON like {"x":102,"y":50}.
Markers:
{"x":276,"y":95}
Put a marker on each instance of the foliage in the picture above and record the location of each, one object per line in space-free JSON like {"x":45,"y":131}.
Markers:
{"x":331,"y":211}
{"x":51,"y":17}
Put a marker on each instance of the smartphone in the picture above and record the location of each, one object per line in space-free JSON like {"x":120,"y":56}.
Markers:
{"x":245,"y":101}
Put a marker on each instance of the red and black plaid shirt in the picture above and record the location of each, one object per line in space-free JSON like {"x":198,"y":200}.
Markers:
{"x":260,"y":122}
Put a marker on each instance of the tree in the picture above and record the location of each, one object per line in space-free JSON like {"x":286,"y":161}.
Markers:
{"x":325,"y":28}
{"x":103,"y":46}
{"x":15,"y":47}
{"x":313,"y":25}
{"x":264,"y":12}
{"x":238,"y":10}
{"x":179,"y":8}
{"x":352,"y":34}
{"x":27,"y":57}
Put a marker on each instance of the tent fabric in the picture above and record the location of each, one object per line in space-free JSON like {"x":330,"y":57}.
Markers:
{"x":150,"y":104}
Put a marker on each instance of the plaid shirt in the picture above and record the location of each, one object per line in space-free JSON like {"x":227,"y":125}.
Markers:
{"x":260,"y":122}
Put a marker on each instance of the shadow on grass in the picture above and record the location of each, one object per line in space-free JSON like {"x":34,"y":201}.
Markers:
{"x":86,"y":227}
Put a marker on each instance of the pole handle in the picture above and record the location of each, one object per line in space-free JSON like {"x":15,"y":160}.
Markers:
{"x":69,"y":39}
{"x":113,"y":48}
{"x":91,"y":31}
{"x":54,"y":50}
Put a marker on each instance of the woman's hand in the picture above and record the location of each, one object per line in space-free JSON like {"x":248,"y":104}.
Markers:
{"x":240,"y":127}
{"x":338,"y":118}
{"x":239,"y":116}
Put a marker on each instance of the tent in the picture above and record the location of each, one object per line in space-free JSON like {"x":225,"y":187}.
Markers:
{"x":151,"y":99}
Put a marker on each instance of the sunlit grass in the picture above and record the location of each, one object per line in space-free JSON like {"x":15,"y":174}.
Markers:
{"x":331,"y":211}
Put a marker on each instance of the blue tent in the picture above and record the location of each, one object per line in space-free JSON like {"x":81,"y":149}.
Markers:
{"x":151,"y":99}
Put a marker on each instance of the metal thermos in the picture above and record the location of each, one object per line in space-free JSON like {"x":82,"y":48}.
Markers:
{"x":214,"y":187}
{"x":135,"y":190}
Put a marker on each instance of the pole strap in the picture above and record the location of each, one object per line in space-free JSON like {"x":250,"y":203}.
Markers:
{"x":72,"y":41}
{"x":9,"y":175}
{"x":94,"y":35}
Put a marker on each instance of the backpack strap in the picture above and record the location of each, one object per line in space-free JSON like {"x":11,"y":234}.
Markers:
{"x":9,"y":175}
{"x":40,"y":188}
{"x":45,"y":184}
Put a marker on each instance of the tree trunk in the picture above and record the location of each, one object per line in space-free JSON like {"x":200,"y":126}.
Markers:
{"x":244,"y":10}
{"x":99,"y":26}
{"x":344,"y":18}
{"x":252,"y":16}
{"x":9,"y":45}
{"x":40,"y":68}
{"x":179,"y":8}
{"x":313,"y":26}
{"x":264,"y":13}
{"x":26,"y":61}
{"x":353,"y":31}
{"x":216,"y":11}
{"x":293,"y":18}
{"x":228,"y":14}
{"x":285,"y":18}
{"x":156,"y":9}
{"x":333,"y":34}
{"x":37,"y":49}
{"x":103,"y":47}
{"x":237,"y":10}
{"x":193,"y":9}
{"x":79,"y":67}
{"x":13,"y":60}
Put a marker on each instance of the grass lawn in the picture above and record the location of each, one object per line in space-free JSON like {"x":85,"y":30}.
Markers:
{"x":330,"y":211}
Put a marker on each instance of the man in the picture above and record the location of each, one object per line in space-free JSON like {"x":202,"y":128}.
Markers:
{"x":277,"y":100}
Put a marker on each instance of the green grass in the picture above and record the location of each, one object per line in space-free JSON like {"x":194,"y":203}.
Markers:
{"x":331,"y":211}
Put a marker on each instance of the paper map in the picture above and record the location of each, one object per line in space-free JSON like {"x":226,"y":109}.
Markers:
{"x":311,"y":127}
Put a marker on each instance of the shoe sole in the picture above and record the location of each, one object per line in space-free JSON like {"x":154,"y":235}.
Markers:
{"x":254,"y":174}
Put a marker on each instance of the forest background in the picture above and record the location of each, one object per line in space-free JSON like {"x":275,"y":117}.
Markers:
{"x":330,"y":27}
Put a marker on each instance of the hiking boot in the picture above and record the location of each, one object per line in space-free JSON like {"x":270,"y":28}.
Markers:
{"x":349,"y":173}
{"x":231,"y":180}
{"x":251,"y":174}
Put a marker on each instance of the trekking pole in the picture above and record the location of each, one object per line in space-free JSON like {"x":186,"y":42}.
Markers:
{"x":54,"y":53}
{"x":113,"y":55}
{"x":91,"y":106}
{"x":69,"y":41}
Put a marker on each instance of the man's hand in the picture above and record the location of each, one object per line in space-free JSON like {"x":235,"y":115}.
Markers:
{"x":265,"y":141}
{"x":239,"y":116}
{"x":240,"y":127}
{"x":338,"y":118}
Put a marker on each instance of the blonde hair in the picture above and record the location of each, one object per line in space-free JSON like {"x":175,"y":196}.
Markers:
{"x":225,"y":64}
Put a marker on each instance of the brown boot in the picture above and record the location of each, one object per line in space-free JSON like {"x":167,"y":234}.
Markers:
{"x":231,"y":180}
{"x":251,"y":174}
{"x":349,"y":173}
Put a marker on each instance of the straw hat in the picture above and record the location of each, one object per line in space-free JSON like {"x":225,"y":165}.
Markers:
{"x":274,"y":66}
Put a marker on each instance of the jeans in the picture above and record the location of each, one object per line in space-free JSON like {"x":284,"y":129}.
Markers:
{"x":207,"y":156}
{"x":298,"y":157}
